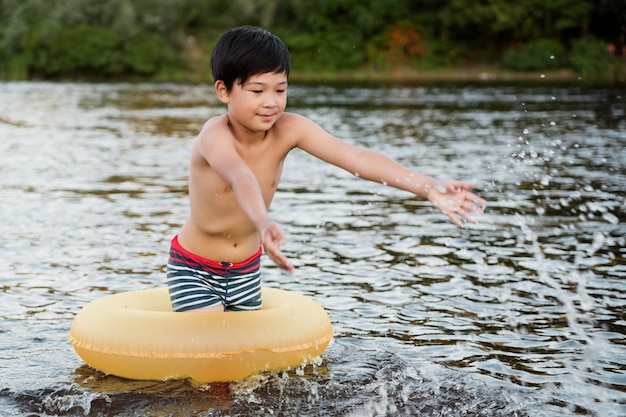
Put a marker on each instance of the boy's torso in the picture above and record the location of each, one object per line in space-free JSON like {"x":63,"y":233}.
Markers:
{"x":217,"y":227}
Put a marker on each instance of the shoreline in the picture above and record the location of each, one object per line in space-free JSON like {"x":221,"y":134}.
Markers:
{"x":401,"y":75}
{"x":483,"y":74}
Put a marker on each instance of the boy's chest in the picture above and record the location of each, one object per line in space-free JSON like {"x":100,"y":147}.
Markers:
{"x":267,"y":166}
{"x":266,"y":157}
{"x":265,"y":161}
{"x":267,"y":174}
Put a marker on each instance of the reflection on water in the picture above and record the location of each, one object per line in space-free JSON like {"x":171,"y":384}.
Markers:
{"x":521,"y":314}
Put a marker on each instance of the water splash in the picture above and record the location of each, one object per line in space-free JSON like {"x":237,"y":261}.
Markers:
{"x":579,"y":308}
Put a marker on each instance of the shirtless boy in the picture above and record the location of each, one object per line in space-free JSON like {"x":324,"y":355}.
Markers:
{"x":236,"y":164}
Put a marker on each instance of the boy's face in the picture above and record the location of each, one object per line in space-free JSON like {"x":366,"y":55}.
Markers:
{"x":259,"y":102}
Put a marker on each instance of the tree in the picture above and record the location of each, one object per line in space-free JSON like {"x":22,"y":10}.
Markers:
{"x":522,"y":20}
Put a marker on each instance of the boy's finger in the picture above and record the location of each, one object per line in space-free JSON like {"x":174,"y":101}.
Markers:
{"x":273,"y":251}
{"x":282,"y":262}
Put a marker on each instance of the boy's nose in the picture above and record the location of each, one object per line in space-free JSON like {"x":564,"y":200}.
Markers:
{"x":270,"y":101}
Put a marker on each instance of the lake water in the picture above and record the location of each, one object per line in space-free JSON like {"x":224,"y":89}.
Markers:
{"x":522,"y":314}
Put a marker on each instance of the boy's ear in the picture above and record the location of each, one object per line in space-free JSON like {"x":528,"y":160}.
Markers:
{"x":222,"y":91}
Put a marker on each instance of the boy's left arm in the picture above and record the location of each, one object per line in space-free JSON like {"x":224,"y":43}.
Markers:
{"x":451,"y":197}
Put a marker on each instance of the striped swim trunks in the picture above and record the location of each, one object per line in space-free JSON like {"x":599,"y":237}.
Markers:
{"x":196,"y":282}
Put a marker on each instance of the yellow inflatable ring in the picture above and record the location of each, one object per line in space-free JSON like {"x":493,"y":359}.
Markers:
{"x":136,"y":335}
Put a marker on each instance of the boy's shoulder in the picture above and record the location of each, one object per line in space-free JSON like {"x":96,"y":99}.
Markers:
{"x":292,"y":121}
{"x":215,"y":129}
{"x":216,"y":122}
{"x":291,"y":127}
{"x":293,"y":117}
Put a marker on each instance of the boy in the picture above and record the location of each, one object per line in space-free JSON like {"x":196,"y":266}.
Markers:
{"x":236,"y":164}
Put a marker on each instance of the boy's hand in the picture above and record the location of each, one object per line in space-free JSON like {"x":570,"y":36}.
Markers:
{"x":454,"y":199}
{"x":272,"y":239}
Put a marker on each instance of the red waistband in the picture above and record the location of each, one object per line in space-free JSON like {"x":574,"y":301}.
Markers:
{"x":217,"y":264}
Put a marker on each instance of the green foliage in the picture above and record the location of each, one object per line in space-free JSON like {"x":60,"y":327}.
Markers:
{"x":87,"y":50}
{"x":443,"y":54}
{"x":149,"y":38}
{"x":590,"y":56}
{"x":521,"y":20}
{"x":328,"y":51}
{"x":336,"y":34}
{"x":539,"y":55}
{"x":86,"y":38}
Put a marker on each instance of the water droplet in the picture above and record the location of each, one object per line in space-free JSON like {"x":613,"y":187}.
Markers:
{"x":611,"y":218}
{"x":525,"y":131}
{"x":503,"y":295}
{"x":598,"y":242}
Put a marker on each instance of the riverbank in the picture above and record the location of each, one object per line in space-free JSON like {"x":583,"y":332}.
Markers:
{"x":478,"y":74}
{"x":401,"y":75}
{"x":491,"y":74}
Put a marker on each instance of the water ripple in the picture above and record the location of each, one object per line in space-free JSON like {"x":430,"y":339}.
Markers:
{"x":521,"y":314}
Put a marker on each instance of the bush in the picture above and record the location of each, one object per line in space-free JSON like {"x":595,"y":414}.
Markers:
{"x":331,"y":51}
{"x":79,"y":48}
{"x":84,"y":50}
{"x":590,"y":56}
{"x":539,"y":55}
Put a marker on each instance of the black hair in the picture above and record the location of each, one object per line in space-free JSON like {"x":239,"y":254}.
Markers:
{"x":245,"y":51}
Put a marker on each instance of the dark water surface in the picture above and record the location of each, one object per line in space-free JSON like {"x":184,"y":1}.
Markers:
{"x":523,"y":314}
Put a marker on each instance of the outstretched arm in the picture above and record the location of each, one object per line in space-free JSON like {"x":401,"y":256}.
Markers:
{"x":451,"y":197}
